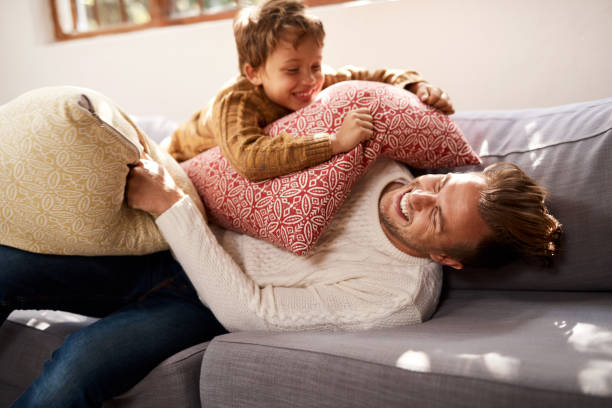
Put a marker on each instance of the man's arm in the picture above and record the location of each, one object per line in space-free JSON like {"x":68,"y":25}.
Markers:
{"x":235,"y":299}
{"x":240,"y":304}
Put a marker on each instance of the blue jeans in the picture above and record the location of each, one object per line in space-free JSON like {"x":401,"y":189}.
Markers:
{"x":148,"y":308}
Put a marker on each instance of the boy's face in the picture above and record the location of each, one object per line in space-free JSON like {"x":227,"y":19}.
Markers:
{"x":291,"y":77}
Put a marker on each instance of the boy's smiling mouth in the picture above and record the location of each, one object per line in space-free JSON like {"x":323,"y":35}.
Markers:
{"x":305,"y":95}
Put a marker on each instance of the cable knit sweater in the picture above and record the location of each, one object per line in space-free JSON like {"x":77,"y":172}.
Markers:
{"x":353,"y":279}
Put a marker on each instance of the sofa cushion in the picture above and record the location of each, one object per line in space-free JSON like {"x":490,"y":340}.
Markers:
{"x":65,"y":154}
{"x":29,"y":337}
{"x":292,"y":211}
{"x":482,"y":348}
{"x":567,"y":149}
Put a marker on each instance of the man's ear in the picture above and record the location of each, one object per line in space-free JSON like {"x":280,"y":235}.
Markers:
{"x":446,"y":260}
{"x":252,"y":74}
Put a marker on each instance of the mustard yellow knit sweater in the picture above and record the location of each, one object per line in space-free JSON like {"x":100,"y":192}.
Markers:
{"x":236,"y":117}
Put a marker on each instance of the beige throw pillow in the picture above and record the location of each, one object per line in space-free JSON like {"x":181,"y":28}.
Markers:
{"x":64,"y":157}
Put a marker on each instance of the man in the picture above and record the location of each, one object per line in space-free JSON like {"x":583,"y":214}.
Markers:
{"x":373,"y":267}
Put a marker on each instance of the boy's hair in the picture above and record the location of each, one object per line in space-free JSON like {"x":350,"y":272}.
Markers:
{"x":514,"y":207}
{"x":259,"y":29}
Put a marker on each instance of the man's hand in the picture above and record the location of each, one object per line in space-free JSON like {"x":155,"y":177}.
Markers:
{"x":150,"y":188}
{"x":356,"y":128}
{"x":432,"y":96}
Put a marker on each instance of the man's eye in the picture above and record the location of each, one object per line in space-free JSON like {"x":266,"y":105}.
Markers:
{"x":293,"y":70}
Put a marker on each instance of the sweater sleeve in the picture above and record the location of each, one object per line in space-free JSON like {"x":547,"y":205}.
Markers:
{"x":395,"y":77}
{"x":191,"y":137}
{"x":240,"y":304}
{"x":256,"y":156}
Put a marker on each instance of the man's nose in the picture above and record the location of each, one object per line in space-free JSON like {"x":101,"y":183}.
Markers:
{"x":422,"y":199}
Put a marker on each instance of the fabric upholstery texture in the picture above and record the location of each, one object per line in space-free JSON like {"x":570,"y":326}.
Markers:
{"x":482,"y":348}
{"x":292,"y":211}
{"x":65,"y":154}
{"x":568,"y":150}
{"x":22,"y":353}
{"x":28,"y":338}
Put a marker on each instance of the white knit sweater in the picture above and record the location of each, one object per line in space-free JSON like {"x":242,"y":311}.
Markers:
{"x":353,"y":278}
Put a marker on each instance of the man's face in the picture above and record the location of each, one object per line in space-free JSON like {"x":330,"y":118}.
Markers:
{"x":291,"y":77}
{"x":432,"y":213}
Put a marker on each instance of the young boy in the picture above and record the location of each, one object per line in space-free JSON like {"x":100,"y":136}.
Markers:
{"x":280,"y":52}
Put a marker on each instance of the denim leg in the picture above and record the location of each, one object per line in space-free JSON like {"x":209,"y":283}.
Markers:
{"x":93,"y":286}
{"x":107,"y":358}
{"x":149,"y":311}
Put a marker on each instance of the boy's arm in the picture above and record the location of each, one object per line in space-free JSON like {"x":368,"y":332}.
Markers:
{"x":256,"y":156}
{"x":410,"y":80}
{"x":402,"y":79}
{"x":191,"y":138}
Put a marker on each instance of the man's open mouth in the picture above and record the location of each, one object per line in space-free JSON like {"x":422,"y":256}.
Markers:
{"x":404,"y":205}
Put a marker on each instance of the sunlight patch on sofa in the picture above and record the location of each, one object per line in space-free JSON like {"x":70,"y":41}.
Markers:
{"x":586,"y":337}
{"x":596,"y":378}
{"x":535,"y":136}
{"x":497,"y":365}
{"x":414,"y":361}
{"x":37,"y":324}
{"x":484,"y":148}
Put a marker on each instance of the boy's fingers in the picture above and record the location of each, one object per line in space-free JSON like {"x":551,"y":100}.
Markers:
{"x":434,"y":96}
{"x":441,"y":101}
{"x":448,"y":109}
{"x":366,"y":124}
{"x":444,"y":104}
{"x":364,"y":117}
{"x":423,"y":93}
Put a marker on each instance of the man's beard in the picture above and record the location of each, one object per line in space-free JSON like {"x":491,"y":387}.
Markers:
{"x":397,"y":234}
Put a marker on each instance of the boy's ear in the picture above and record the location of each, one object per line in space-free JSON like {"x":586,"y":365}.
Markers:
{"x":446,"y":260}
{"x":252,"y":74}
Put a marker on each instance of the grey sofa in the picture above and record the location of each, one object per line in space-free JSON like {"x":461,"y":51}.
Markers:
{"x":518,"y":336}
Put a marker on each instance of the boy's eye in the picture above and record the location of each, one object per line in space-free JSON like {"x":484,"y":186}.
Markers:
{"x":316,"y":67}
{"x":293,"y":70}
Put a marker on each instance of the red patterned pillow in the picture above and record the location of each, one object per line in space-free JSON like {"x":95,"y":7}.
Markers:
{"x":292,"y":211}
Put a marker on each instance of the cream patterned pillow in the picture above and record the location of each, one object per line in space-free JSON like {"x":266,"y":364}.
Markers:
{"x":64,"y":157}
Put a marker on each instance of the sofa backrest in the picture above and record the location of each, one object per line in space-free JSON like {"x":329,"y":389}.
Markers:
{"x":567,"y":149}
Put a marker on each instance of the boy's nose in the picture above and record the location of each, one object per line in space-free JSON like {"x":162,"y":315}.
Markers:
{"x":422,"y":199}
{"x":309,"y":78}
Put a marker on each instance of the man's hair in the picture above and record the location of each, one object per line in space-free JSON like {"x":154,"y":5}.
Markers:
{"x":514,"y":208}
{"x":259,"y":29}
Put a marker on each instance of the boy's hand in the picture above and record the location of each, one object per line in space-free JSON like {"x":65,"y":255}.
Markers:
{"x":356,"y":128}
{"x":150,"y":188}
{"x":432,"y":96}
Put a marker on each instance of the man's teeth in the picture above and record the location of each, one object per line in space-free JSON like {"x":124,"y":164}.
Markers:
{"x":405,"y":206}
{"x":302,"y":94}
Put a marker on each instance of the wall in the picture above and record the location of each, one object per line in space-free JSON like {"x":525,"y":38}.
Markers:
{"x":485,"y":54}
